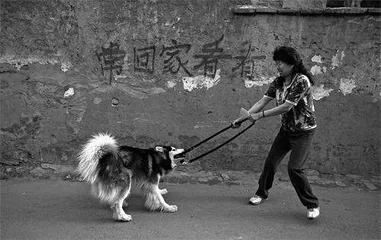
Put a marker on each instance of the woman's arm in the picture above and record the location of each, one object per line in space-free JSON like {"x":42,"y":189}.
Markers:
{"x":296,"y":93}
{"x":258,"y":106}
{"x":285,"y":107}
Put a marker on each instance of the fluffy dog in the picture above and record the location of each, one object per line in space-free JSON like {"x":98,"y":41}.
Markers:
{"x":111,"y":169}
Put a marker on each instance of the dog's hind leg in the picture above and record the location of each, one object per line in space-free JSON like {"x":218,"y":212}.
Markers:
{"x":118,"y":213}
{"x":154,"y":200}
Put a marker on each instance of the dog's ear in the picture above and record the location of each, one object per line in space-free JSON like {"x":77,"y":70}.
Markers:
{"x":159,"y":149}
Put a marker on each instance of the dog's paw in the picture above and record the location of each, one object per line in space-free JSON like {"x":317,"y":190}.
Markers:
{"x":121,"y":217}
{"x":163,"y":191}
{"x":170,"y":208}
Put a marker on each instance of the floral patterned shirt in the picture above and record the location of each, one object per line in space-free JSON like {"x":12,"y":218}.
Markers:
{"x":301,"y":117}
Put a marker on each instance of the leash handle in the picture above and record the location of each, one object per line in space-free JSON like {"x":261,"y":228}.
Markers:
{"x":226,"y":142}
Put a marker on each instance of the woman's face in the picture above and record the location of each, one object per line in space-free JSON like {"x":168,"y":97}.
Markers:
{"x":284,"y":69}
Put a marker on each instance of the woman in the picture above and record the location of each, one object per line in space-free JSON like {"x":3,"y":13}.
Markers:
{"x":292,"y":92}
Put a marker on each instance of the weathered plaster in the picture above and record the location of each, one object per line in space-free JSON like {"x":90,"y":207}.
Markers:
{"x":65,"y":66}
{"x":337,"y":59}
{"x":201,"y":81}
{"x":347,"y":85}
{"x":320,"y":92}
{"x":315,"y":70}
{"x":317,"y":59}
{"x":20,"y":62}
{"x":258,"y":81}
{"x":69,"y":92}
{"x":171,"y":84}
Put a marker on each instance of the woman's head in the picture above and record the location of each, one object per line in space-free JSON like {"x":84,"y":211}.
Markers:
{"x":289,"y":62}
{"x":287,"y":55}
{"x":284,"y":69}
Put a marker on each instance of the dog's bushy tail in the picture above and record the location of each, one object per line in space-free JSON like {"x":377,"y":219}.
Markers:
{"x":92,"y":152}
{"x":101,"y":165}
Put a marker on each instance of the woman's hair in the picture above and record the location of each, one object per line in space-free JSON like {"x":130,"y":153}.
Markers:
{"x":290,"y":56}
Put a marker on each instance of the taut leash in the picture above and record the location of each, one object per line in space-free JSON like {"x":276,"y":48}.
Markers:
{"x":205,"y":140}
{"x":244,"y":115}
{"x":219,"y":146}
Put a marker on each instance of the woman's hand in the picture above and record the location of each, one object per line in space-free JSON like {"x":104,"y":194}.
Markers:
{"x":236,"y":123}
{"x":253,"y":117}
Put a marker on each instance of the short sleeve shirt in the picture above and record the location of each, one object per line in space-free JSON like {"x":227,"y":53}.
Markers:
{"x":301,"y":116}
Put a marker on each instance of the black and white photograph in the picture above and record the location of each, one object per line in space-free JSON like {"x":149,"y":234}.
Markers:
{"x":190,"y":119}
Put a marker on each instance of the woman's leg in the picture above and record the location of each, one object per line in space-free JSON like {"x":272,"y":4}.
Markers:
{"x":280,"y":147}
{"x":301,"y":143}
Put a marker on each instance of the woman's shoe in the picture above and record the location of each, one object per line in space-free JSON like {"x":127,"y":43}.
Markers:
{"x":256,"y":200}
{"x":313,"y":213}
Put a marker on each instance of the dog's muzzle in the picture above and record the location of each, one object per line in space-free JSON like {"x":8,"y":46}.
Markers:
{"x":180,"y":158}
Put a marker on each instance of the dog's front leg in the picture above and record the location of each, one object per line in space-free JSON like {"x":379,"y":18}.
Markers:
{"x":163,"y":191}
{"x":154,"y":199}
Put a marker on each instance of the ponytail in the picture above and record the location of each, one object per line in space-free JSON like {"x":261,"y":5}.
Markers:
{"x":300,"y":68}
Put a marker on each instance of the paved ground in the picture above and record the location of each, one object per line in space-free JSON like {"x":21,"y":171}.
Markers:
{"x":46,"y":209}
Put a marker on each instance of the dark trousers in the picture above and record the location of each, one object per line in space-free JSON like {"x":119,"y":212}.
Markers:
{"x":299,"y":144}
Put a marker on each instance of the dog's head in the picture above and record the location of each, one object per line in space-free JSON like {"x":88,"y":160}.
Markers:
{"x":168,"y":161}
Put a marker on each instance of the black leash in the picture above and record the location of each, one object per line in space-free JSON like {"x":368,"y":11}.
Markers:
{"x":214,"y":149}
{"x":205,"y":140}
{"x":219,"y":146}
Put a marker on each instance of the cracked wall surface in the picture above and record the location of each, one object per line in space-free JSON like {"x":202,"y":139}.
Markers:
{"x":175,"y":72}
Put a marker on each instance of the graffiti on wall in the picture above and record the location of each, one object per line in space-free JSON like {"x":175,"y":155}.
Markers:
{"x":172,"y":60}
{"x":175,"y":58}
{"x":111,"y":60}
{"x":211,"y":54}
{"x":144,"y":59}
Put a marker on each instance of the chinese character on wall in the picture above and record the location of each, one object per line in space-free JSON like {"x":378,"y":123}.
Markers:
{"x":111,"y":60}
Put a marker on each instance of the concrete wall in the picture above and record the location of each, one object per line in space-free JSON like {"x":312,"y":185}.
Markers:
{"x":175,"y":72}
